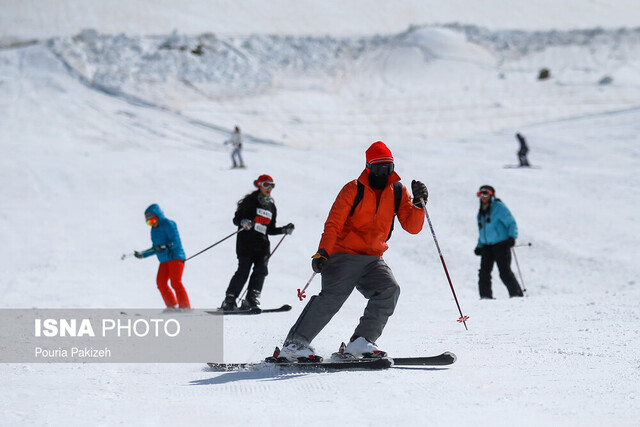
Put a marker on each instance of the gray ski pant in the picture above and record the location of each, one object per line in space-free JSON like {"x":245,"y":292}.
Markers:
{"x":371,"y":276}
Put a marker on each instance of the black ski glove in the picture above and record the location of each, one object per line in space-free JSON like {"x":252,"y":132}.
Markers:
{"x":138,"y":254}
{"x":288,"y":229}
{"x":419,"y":191}
{"x":319,"y":260}
{"x":510,"y":242}
{"x":478,"y":250}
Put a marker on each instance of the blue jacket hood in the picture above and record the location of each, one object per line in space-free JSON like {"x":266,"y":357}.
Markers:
{"x":164,"y":233}
{"x":155,"y":209}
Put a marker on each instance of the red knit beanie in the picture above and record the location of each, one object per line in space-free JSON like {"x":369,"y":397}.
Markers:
{"x":261,"y":179}
{"x":379,"y":153}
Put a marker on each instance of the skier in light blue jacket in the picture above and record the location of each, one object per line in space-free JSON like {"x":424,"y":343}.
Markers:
{"x":498,"y":232}
{"x":168,"y":248}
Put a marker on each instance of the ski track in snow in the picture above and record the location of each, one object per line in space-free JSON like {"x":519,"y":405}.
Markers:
{"x":81,"y":162}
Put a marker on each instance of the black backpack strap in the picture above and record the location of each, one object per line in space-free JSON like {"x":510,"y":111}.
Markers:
{"x":359,"y":196}
{"x":397,"y":198}
{"x":397,"y":194}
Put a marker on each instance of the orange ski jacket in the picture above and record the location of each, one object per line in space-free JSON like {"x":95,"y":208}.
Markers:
{"x":365,"y":232}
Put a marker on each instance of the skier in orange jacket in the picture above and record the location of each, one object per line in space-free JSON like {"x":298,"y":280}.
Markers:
{"x":350,"y":255}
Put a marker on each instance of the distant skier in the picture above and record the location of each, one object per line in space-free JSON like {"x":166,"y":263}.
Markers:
{"x":168,"y":248}
{"x":236,"y":142}
{"x":498,"y":232}
{"x":350,"y":255}
{"x":256,"y":216}
{"x":524,"y":149}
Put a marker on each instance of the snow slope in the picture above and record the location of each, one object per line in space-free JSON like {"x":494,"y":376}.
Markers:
{"x":95,"y":127}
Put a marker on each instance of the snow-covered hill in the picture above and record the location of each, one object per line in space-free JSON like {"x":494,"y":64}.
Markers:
{"x":95,"y":126}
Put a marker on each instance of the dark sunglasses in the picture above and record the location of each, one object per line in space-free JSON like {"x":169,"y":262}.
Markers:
{"x":267,"y":184}
{"x":380,"y":169}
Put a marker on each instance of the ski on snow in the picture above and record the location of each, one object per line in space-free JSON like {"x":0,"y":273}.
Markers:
{"x":521,"y":167}
{"x":218,"y":312}
{"x":446,"y":358}
{"x":285,"y":307}
{"x":359,"y":364}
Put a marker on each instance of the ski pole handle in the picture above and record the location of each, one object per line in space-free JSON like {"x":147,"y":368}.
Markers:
{"x":301,"y":294}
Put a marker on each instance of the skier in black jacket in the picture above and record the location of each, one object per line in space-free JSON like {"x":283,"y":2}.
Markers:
{"x":522,"y":152}
{"x":256,"y":216}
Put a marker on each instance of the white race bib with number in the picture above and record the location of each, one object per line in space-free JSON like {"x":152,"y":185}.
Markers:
{"x":263,"y":218}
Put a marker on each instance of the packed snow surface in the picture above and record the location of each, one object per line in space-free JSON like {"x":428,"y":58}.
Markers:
{"x":100,"y":120}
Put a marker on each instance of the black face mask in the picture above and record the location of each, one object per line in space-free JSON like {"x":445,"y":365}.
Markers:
{"x":378,"y":182}
{"x":379,"y":174}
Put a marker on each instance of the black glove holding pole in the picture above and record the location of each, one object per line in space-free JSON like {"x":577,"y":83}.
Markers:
{"x":420,"y":193}
{"x":288,"y":229}
{"x":319,"y":260}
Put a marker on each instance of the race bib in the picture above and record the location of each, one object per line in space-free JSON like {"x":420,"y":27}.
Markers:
{"x":260,"y":228}
{"x":263,"y":218}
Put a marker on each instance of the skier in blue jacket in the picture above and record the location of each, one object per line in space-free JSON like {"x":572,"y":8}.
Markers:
{"x":168,"y":248}
{"x":498,"y":232}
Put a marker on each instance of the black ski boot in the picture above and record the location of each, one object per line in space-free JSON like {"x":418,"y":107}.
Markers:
{"x":229,"y":303}
{"x":252,"y":301}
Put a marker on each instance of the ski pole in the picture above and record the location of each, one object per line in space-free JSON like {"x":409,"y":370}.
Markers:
{"x":274,"y":249}
{"x":463,"y":319}
{"x":301,"y":294}
{"x":126,"y":256}
{"x":523,"y":244}
{"x":241,"y":296}
{"x":524,"y":288}
{"x":219,"y":241}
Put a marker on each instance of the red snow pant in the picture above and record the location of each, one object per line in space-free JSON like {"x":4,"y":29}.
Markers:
{"x":172,"y":270}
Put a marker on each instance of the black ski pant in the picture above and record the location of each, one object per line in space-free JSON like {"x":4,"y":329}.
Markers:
{"x":259,"y":261}
{"x":500,"y":254}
